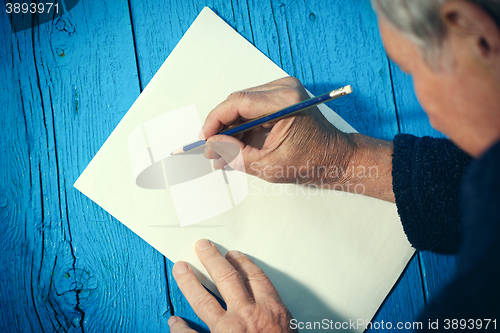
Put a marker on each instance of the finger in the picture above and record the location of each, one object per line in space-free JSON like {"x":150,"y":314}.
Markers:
{"x":204,"y":304}
{"x":225,"y":276}
{"x":178,"y":325}
{"x":227,"y":152}
{"x":246,"y":104}
{"x":209,"y":153}
{"x":232,"y":151}
{"x":254,"y":278}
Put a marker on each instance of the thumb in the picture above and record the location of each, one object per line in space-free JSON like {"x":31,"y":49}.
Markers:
{"x":178,"y":325}
{"x":227,"y":150}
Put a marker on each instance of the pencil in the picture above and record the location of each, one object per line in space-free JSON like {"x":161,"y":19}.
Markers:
{"x":288,"y":111}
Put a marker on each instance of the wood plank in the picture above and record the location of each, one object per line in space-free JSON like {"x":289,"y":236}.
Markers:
{"x":24,"y":262}
{"x":66,"y":265}
{"x":437,"y":269}
{"x":34,"y":239}
{"x":324,"y":47}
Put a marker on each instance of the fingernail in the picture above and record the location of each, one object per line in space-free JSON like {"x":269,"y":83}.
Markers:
{"x":203,"y":244}
{"x":201,"y":135}
{"x":233,"y":254}
{"x":172,"y":320}
{"x":181,"y":267}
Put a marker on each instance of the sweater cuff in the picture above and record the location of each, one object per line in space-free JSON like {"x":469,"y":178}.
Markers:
{"x":427,"y":175}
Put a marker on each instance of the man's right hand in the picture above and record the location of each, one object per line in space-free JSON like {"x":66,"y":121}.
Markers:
{"x":304,"y":142}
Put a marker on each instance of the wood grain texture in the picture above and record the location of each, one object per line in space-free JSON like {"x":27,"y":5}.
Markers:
{"x":65,"y":264}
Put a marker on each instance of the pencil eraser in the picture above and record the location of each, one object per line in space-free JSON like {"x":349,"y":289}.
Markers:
{"x":348,"y":89}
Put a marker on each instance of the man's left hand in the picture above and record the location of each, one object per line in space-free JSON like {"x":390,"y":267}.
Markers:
{"x":253,"y":304}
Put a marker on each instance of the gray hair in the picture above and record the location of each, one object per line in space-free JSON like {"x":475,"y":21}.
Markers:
{"x":421,"y":22}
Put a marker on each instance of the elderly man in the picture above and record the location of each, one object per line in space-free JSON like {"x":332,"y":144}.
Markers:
{"x":452,"y":50}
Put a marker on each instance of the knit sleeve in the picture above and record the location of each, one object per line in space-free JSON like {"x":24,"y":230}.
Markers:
{"x":474,"y":291}
{"x":427,"y":174}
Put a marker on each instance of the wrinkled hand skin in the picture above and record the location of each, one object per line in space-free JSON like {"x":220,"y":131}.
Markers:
{"x":253,"y":304}
{"x":305,"y":141}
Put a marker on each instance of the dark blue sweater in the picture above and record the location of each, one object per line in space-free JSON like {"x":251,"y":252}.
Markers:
{"x":449,"y":203}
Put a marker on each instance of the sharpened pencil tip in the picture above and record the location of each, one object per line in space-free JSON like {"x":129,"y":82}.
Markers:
{"x":177,"y":151}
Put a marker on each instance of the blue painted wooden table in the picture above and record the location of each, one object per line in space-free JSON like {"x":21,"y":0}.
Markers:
{"x":67,"y":265}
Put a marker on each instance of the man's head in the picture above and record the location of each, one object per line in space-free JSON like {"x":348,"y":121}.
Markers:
{"x":452,"y":50}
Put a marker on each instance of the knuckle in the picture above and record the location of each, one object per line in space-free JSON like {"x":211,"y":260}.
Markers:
{"x":292,"y":80}
{"x":185,"y":280}
{"x":295,"y":91}
{"x":278,"y":311}
{"x":238,"y":263}
{"x":229,"y":275}
{"x":237,"y":95}
{"x":256,"y":277}
{"x":204,"y":301}
{"x":266,"y":317}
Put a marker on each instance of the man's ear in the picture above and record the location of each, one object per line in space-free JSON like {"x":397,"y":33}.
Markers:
{"x":473,"y":23}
